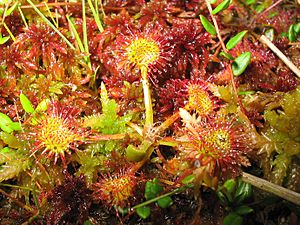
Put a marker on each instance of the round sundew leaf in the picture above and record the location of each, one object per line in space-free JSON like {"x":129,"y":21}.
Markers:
{"x":235,"y":40}
{"x":240,"y":63}
{"x":207,"y":25}
{"x":223,"y":5}
{"x":26,"y":104}
{"x":143,"y":212}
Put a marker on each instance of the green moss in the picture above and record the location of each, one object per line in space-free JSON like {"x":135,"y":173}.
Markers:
{"x":284,"y":134}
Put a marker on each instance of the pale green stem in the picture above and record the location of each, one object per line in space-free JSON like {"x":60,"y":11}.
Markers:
{"x":22,"y":16}
{"x":76,"y":35}
{"x":96,"y":15}
{"x":48,"y":10}
{"x":177,"y":190}
{"x":275,"y":189}
{"x":85,"y":38}
{"x":147,"y":97}
{"x":9,"y":32}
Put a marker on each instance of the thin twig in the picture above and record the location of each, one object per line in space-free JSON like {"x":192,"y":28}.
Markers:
{"x":216,"y":25}
{"x":263,"y":39}
{"x":275,"y":189}
{"x":225,"y":50}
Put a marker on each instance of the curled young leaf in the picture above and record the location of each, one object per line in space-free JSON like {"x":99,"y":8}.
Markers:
{"x":240,"y":63}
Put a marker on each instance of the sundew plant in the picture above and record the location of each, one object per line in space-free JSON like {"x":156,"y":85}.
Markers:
{"x":149,"y":112}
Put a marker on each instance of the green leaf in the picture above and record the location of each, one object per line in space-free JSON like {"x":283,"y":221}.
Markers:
{"x":272,"y":14}
{"x":43,"y":105}
{"x":11,"y":9}
{"x":240,"y":63}
{"x":152,"y":189}
{"x":229,"y":185}
{"x":226,"y":55}
{"x":3,"y":39}
{"x":296,"y":28}
{"x":222,"y":198}
{"x":233,"y":219}
{"x":259,"y":8}
{"x":223,"y":5}
{"x":243,"y":191}
{"x":122,"y":211}
{"x":13,"y":162}
{"x":246,"y":92}
{"x":10,"y":140}
{"x":212,"y":1}
{"x":143,"y":212}
{"x":243,"y":210}
{"x":250,"y":2}
{"x":235,"y":40}
{"x":26,"y":104}
{"x":5,"y":121}
{"x":15,"y":126}
{"x":165,"y":202}
{"x":88,"y":222}
{"x":291,"y":34}
{"x":134,"y":154}
{"x":188,"y":179}
{"x":208,"y":26}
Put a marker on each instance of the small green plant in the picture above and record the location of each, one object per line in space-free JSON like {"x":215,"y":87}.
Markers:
{"x":233,"y":195}
{"x":153,"y":191}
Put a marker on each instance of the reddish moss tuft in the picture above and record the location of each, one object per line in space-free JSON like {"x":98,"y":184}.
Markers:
{"x":193,"y":95}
